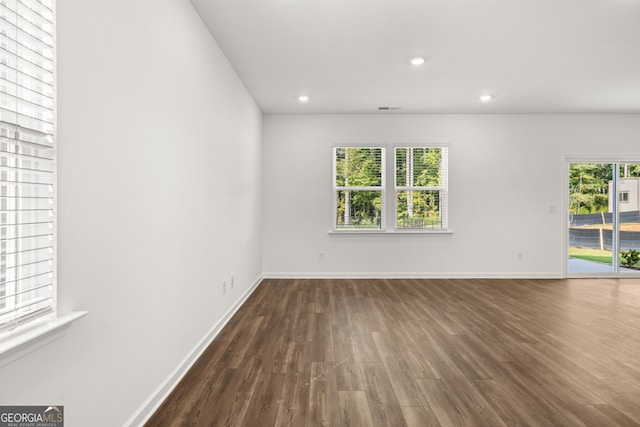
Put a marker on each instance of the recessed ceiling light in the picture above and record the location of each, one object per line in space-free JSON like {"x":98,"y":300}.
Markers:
{"x":486,"y":98}
{"x":417,"y":61}
{"x":303,"y":98}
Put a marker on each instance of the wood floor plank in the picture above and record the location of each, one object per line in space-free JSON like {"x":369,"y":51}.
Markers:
{"x":323,"y":398}
{"x":613,"y":416}
{"x":265,"y":401}
{"x":420,"y":352}
{"x":366,"y":350}
{"x":348,"y":375}
{"x":419,"y":416}
{"x":230,"y":400}
{"x":402,"y":379}
{"x":513,"y":408}
{"x":458,"y":403}
{"x":230,"y":408}
{"x":293,"y":410}
{"x":322,"y":342}
{"x":444,"y":404}
{"x":603,"y":415}
{"x":294,"y":403}
{"x":385,"y":410}
{"x":237,"y":348}
{"x":354,"y":409}
{"x":623,"y":395}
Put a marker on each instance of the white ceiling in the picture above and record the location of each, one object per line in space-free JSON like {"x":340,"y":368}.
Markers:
{"x":352,"y":56}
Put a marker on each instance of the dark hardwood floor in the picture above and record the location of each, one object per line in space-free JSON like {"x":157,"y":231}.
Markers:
{"x":420,"y":353}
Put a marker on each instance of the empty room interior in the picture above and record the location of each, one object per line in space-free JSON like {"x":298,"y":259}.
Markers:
{"x":307,"y":212}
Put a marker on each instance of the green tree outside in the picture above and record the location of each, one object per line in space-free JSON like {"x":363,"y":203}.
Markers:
{"x":418,"y":167}
{"x":589,"y":185}
{"x":359,"y":167}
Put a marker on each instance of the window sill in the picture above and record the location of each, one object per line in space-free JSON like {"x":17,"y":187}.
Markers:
{"x":391,"y":232}
{"x":29,"y":337}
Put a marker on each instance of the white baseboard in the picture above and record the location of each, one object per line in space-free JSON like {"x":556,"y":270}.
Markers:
{"x":153,"y":402}
{"x":429,"y":275}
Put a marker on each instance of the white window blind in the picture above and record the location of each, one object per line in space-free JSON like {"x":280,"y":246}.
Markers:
{"x":421,"y":187}
{"x":358,"y":185}
{"x":27,"y":160}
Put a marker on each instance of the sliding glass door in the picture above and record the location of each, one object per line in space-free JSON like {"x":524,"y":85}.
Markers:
{"x":604,"y":218}
{"x":628,"y":196}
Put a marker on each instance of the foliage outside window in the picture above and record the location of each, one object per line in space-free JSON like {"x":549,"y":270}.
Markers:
{"x":589,"y":185}
{"x":359,"y":184}
{"x":358,"y":187}
{"x":421,"y":187}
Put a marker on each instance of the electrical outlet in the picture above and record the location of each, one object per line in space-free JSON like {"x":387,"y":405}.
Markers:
{"x":224,"y":287}
{"x":520,"y":256}
{"x":231,"y":280}
{"x":321,"y":256}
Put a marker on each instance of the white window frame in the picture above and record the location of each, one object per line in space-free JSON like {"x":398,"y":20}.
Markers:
{"x":27,"y":153}
{"x":381,"y":188}
{"x":443,"y":189}
{"x":27,"y":162}
{"x":390,"y":191}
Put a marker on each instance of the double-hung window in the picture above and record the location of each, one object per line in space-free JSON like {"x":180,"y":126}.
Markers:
{"x":27,"y":161}
{"x":421,"y":188}
{"x":358,"y":186}
{"x":420,"y":191}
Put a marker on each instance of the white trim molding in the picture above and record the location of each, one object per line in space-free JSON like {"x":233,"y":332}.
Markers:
{"x":429,"y":275}
{"x":396,"y":232}
{"x":153,"y":402}
{"x":33,"y":335}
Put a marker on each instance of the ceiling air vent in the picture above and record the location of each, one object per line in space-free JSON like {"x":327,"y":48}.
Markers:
{"x":388,"y":108}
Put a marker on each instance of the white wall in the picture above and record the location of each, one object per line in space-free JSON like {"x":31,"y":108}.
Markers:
{"x":159,"y":201}
{"x":506,"y":175}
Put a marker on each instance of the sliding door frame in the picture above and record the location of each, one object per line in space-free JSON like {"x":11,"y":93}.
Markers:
{"x":616,"y":161}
